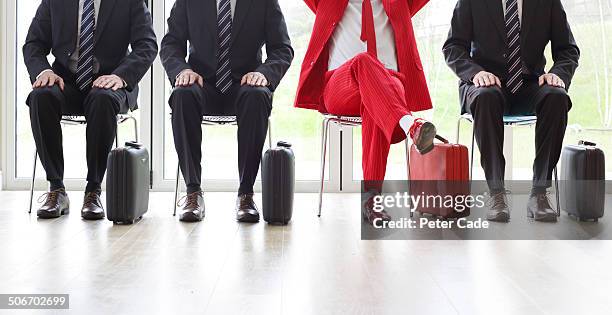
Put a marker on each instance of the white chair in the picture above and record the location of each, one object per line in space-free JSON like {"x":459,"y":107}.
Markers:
{"x":214,"y":121}
{"x":349,"y":121}
{"x":511,"y":121}
{"x":80,"y":120}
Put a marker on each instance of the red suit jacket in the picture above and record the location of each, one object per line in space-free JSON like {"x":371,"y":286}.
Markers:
{"x":315,"y":65}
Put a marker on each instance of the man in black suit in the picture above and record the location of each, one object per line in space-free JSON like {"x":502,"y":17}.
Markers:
{"x":496,"y":48}
{"x":94,"y":75}
{"x":224,"y":75}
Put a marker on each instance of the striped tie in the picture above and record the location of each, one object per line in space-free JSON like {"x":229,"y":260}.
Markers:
{"x":513,"y":30}
{"x":86,"y":43}
{"x":224,"y":31}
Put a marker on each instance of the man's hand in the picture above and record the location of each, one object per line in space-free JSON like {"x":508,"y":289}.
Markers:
{"x":112,"y":81}
{"x":486,"y":79}
{"x":254,"y":79}
{"x":48,"y":78}
{"x":188,"y":77}
{"x":552,"y":80}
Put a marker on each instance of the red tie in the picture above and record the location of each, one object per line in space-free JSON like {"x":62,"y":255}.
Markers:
{"x":368,"y":33}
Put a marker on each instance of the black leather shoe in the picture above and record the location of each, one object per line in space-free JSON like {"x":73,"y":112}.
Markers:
{"x":92,"y":206}
{"x":372,"y":216}
{"x":246,"y":209}
{"x":55,"y":204}
{"x":498,"y":207}
{"x":193,"y":207}
{"x":539,"y":208}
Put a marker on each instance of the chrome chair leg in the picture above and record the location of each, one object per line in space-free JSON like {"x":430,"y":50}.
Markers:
{"x":458,"y":128}
{"x":324,"y":136}
{"x":472,"y":152}
{"x":176,"y":187}
{"x":557,"y":192}
{"x":33,"y":179}
{"x":270,"y":133}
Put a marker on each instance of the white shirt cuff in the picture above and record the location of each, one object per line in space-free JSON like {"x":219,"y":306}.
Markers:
{"x":41,"y":73}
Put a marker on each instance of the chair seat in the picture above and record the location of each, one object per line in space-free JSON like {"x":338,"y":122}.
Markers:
{"x":221,"y":120}
{"x":80,"y":120}
{"x":355,"y":119}
{"x":510,"y":120}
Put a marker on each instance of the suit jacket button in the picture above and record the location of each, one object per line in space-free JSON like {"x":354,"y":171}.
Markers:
{"x":505,"y":55}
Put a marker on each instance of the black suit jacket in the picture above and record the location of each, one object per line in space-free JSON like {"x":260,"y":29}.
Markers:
{"x":120,"y":24}
{"x":255,"y":23}
{"x":477,"y":39}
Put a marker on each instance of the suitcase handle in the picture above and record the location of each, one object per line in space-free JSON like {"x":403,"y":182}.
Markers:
{"x":587,"y":143}
{"x":442,"y":139}
{"x":133,"y":144}
{"x":283,"y":144}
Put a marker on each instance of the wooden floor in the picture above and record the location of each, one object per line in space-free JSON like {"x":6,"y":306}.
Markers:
{"x":312,"y":266}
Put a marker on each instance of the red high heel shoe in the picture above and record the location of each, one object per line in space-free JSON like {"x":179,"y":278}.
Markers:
{"x":423,"y":133}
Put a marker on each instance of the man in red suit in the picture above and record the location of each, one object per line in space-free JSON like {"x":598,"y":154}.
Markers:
{"x":362,"y":60}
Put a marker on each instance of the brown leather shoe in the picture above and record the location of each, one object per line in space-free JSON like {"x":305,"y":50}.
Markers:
{"x":193,"y":207}
{"x":55,"y":204}
{"x":539,"y":208}
{"x":498,"y":207}
{"x":423,"y":134}
{"x":92,"y":206}
{"x":246,"y":209}
{"x":370,"y":215}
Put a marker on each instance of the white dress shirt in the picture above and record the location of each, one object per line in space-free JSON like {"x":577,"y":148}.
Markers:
{"x":520,"y":9}
{"x":346,"y":40}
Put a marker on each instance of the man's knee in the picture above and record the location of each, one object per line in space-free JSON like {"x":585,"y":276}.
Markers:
{"x":44,"y":95}
{"x":254,"y":98}
{"x":102,"y":101}
{"x":365,"y":59}
{"x":555,"y":98}
{"x":490,"y":99}
{"x":183,"y":96}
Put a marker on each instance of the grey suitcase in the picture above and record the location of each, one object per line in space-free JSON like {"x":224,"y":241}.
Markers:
{"x":127,"y":183}
{"x":583,"y":181}
{"x":278,"y":181}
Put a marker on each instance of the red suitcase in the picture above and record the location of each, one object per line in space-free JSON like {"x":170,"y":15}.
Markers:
{"x":444,"y":172}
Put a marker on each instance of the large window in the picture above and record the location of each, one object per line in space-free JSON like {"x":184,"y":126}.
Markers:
{"x":590,"y":118}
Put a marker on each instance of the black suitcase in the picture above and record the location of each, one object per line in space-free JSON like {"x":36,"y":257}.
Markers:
{"x":127,"y":183}
{"x":278,"y":181}
{"x":583,"y":181}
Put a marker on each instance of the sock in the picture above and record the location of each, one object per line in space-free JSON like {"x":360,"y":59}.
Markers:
{"x":56,"y":184}
{"x":191,"y":188}
{"x":91,"y":187}
{"x":538,"y":190}
{"x":406,"y":122}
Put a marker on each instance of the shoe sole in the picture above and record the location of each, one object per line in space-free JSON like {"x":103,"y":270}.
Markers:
{"x":546,"y":218}
{"x":91,"y":217}
{"x":190,"y":218}
{"x":248,"y":219}
{"x":500,"y":217}
{"x":52,"y":215}
{"x":425,"y":142}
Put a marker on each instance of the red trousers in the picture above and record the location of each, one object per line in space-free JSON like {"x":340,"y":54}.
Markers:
{"x":364,"y":87}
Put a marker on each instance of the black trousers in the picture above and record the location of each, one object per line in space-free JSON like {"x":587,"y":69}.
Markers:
{"x":252,"y":107}
{"x":488,"y":105}
{"x":100,"y":108}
